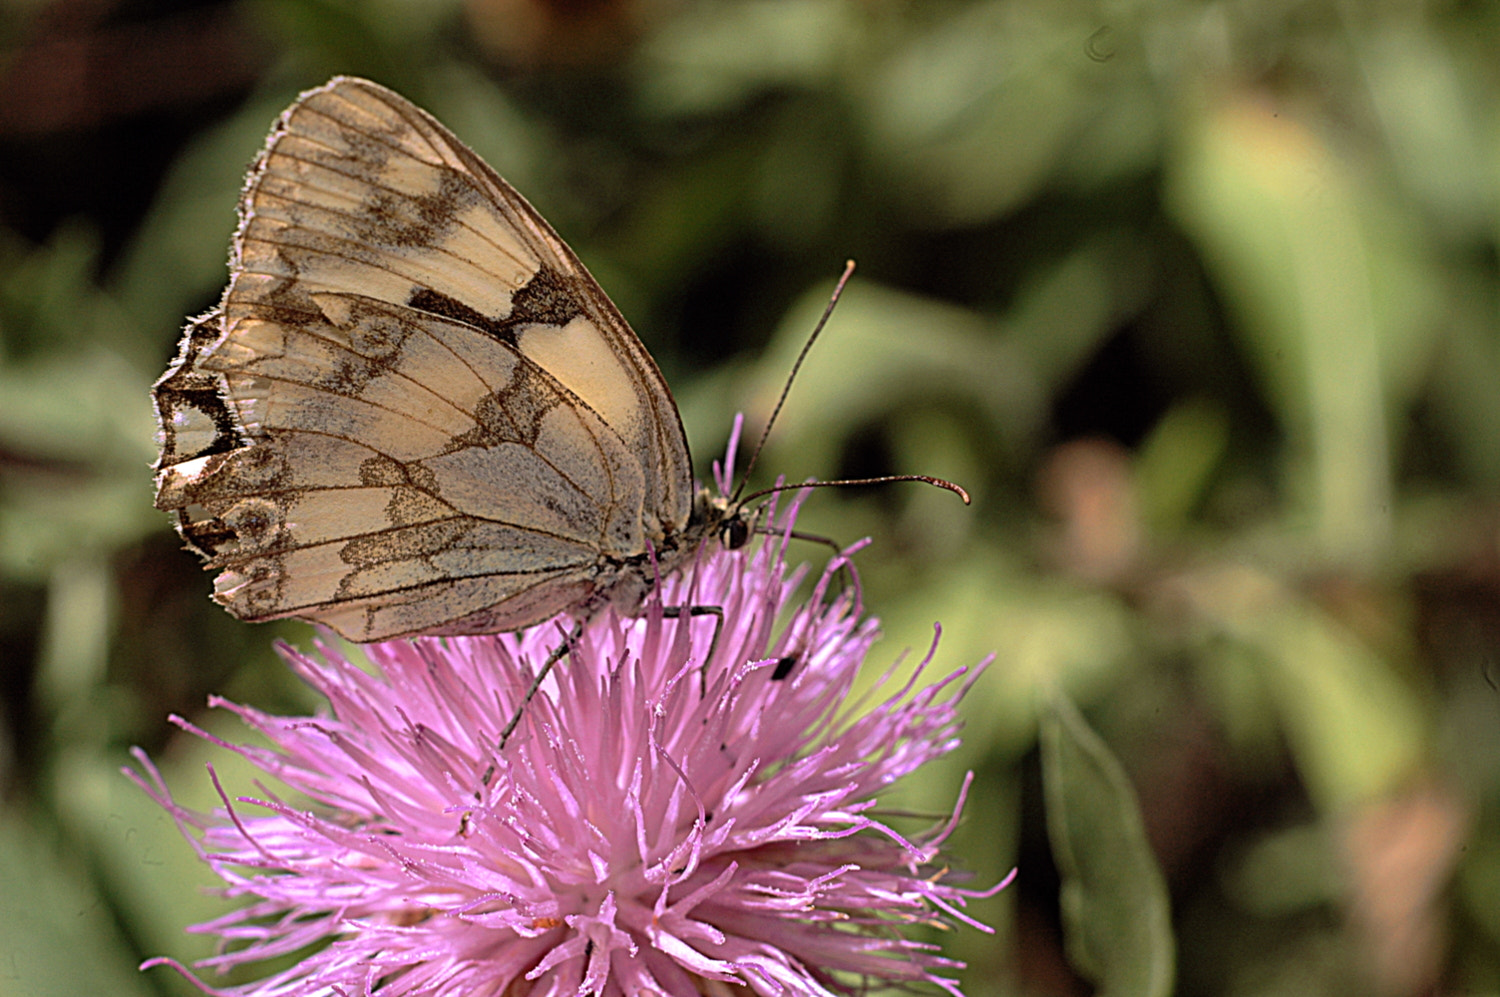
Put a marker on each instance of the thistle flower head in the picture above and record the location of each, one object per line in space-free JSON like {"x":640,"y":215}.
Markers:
{"x":652,"y":827}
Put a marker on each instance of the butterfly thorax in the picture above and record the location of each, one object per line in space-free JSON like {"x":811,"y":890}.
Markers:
{"x":624,"y":583}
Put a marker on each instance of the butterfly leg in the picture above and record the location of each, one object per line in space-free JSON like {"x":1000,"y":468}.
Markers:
{"x":816,"y":538}
{"x":849,"y":580}
{"x":553,"y":658}
{"x":677,"y":612}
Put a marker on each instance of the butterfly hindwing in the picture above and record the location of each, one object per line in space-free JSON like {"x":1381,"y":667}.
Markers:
{"x":414,"y":411}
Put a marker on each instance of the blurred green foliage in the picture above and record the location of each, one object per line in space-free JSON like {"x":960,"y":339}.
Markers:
{"x":1198,"y":299}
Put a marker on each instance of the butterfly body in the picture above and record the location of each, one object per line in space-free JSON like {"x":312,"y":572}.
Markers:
{"x":413,"y":410}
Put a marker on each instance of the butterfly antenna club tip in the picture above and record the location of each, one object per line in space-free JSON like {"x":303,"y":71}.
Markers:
{"x":883,"y":479}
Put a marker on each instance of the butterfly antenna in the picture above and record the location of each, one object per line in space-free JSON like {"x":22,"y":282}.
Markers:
{"x":847,"y":482}
{"x":734,"y":500}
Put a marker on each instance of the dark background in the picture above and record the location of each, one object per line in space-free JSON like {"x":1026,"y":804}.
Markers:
{"x":1198,"y":299}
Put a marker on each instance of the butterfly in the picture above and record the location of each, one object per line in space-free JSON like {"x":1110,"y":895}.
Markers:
{"x":414,"y":412}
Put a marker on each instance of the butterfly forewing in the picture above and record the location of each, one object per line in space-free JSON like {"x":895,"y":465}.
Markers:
{"x":414,"y":411}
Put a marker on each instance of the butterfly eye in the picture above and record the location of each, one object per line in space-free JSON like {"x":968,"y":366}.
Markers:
{"x":734,"y":532}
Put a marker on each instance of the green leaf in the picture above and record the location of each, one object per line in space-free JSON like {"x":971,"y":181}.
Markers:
{"x":1114,"y":901}
{"x":57,"y":936}
{"x":715,"y":56}
{"x":1334,"y":298}
{"x":974,"y":115}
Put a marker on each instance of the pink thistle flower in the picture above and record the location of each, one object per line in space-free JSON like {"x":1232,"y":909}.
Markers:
{"x":651,"y":827}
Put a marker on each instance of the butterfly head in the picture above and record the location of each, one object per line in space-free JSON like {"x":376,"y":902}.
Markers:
{"x":720,"y":517}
